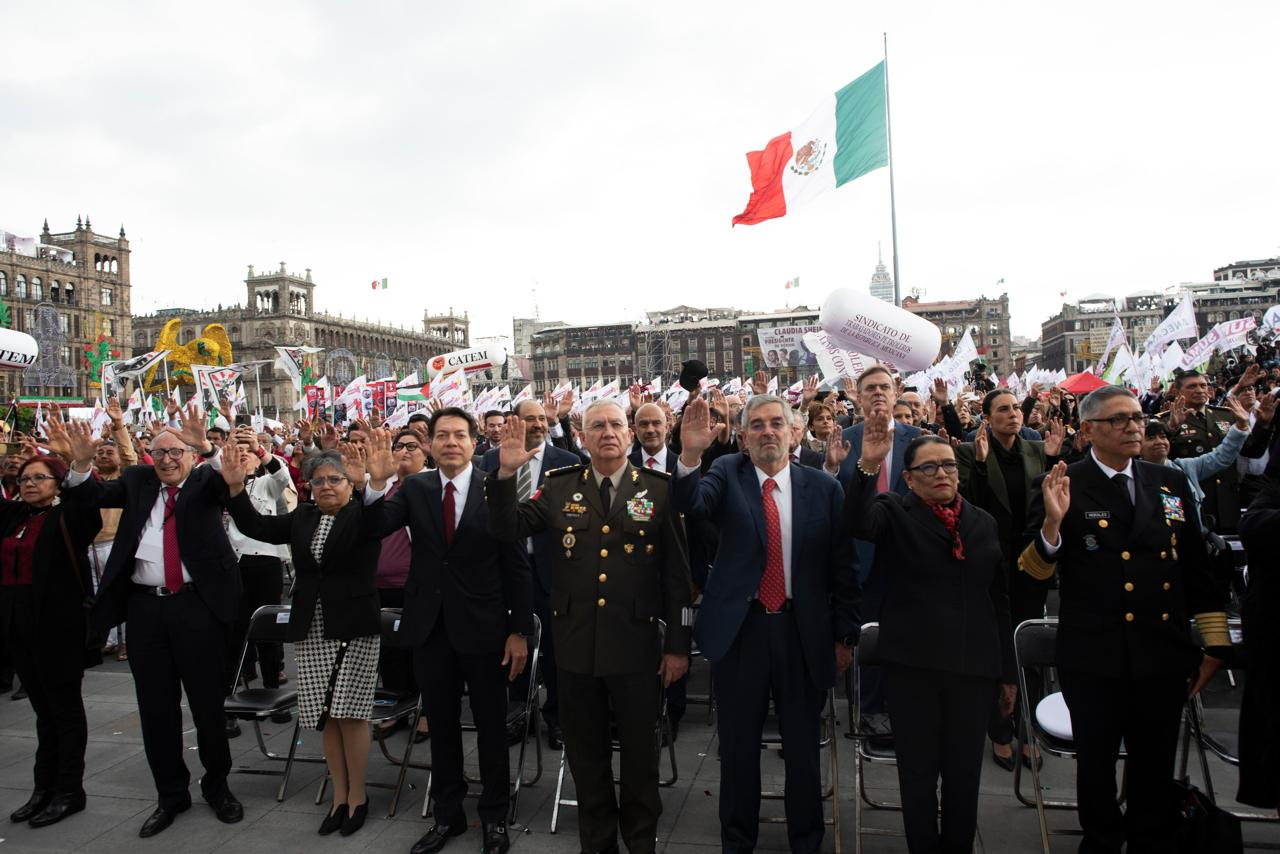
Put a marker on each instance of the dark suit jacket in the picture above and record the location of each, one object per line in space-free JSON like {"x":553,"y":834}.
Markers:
{"x":470,"y":584}
{"x":902,"y":436}
{"x":552,"y":458}
{"x":202,"y":541}
{"x":344,"y":579}
{"x":938,"y":612}
{"x":811,"y":458}
{"x":824,"y":584}
{"x":983,"y":484}
{"x":1109,"y":546}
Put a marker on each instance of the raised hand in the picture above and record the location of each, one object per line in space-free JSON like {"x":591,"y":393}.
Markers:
{"x":850,"y":388}
{"x":1241,"y":414}
{"x":938,"y":393}
{"x":1267,"y":407}
{"x":810,"y":391}
{"x":837,"y":451}
{"x":877,"y":440}
{"x":235,"y":466}
{"x":353,"y":460}
{"x":982,"y":444}
{"x":171,"y":408}
{"x":83,"y":443}
{"x":696,"y":431}
{"x":511,"y":452}
{"x":113,"y":411}
{"x":565,"y":406}
{"x":760,"y":382}
{"x":305,"y":433}
{"x":1056,"y":489}
{"x":1249,"y":377}
{"x":57,"y":440}
{"x":381,"y":461}
{"x":328,"y":436}
{"x":1177,"y":412}
{"x":192,"y":432}
{"x":635,"y":395}
{"x":1055,"y":437}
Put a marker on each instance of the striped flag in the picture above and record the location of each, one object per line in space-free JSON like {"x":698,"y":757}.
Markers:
{"x":379,"y":284}
{"x":792,"y":283}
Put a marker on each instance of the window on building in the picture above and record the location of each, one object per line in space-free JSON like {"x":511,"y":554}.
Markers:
{"x":64,"y":324}
{"x":69,"y":293}
{"x":4,"y":284}
{"x":106,"y":296}
{"x":20,"y":287}
{"x":107,"y":326}
{"x":54,"y":291}
{"x":66,"y":357}
{"x":711,"y":362}
{"x":75,"y":325}
{"x":37,"y":288}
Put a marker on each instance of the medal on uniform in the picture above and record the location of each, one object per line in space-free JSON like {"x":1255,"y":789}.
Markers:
{"x":628,"y":548}
{"x":573,"y":509}
{"x":640,"y":509}
{"x":1173,"y":508}
{"x":1090,"y":542}
{"x":577,"y":496}
{"x":569,"y":540}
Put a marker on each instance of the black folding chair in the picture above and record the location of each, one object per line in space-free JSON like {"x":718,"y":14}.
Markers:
{"x":771,"y":739}
{"x":662,"y":735}
{"x":525,"y":715}
{"x":390,"y":706}
{"x":267,"y":625}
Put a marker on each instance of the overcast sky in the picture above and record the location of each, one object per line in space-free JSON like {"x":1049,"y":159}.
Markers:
{"x":471,"y":152}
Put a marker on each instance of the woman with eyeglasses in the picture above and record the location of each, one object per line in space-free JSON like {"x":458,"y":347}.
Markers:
{"x":335,"y":622}
{"x":46,"y":589}
{"x":393,"y":570}
{"x":945,"y":636}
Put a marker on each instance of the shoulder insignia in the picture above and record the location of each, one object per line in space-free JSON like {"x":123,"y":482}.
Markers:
{"x":658,"y":473}
{"x":561,"y":470}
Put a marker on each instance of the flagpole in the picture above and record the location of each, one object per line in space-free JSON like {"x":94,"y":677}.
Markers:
{"x":893,"y":203}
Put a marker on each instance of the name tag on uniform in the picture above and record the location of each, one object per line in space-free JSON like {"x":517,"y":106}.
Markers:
{"x":1173,"y":508}
{"x":1097,"y":514}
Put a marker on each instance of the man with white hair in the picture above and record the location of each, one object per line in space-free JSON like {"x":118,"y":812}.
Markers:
{"x":618,"y":567}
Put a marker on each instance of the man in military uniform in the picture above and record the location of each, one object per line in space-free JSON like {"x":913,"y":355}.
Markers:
{"x":621,"y":568}
{"x":1197,"y":429}
{"x":1122,"y":536}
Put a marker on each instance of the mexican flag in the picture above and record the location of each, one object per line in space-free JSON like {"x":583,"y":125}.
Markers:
{"x":845,"y":138}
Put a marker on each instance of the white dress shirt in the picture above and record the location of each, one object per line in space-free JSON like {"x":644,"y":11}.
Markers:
{"x":781,"y":497}
{"x":1052,"y":548}
{"x":461,"y":484}
{"x":659,"y":459}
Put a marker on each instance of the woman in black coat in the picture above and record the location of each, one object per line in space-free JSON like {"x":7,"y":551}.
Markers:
{"x":45,"y":591}
{"x":1260,"y":708}
{"x":945,"y":636}
{"x":335,"y":620}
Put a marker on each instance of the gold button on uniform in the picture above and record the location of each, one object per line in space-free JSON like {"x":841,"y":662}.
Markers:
{"x":600,"y":602}
{"x":1163,"y":555}
{"x":569,"y":529}
{"x":1128,"y":617}
{"x":1128,"y":586}
{"x":603,"y":578}
{"x":1164,"y":616}
{"x":604,"y":529}
{"x":641,"y":532}
{"x":1167,"y":585}
{"x":648,"y":549}
{"x":1124,"y":555}
{"x":1102,"y":523}
{"x":604,"y":553}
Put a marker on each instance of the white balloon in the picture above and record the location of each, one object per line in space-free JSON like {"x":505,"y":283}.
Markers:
{"x":17,"y":349}
{"x":864,"y":324}
{"x":471,"y":361}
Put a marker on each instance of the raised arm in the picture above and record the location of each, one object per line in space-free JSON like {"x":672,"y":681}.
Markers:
{"x":864,"y":516}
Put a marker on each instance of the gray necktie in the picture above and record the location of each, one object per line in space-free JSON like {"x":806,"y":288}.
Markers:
{"x":524,"y":482}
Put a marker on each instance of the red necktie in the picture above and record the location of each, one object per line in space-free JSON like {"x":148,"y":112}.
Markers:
{"x":651,"y":462}
{"x":172,"y":559}
{"x":448,"y":513}
{"x":773,"y":586}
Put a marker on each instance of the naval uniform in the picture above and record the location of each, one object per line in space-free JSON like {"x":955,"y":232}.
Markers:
{"x":621,"y":566}
{"x":1133,"y":571}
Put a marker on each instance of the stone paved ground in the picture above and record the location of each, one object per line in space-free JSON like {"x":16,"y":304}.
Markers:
{"x":121,"y":796}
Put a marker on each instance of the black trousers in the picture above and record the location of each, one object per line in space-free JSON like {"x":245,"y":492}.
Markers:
{"x":765,"y":662}
{"x":547,"y":672}
{"x":1146,"y":714}
{"x":445,"y":669}
{"x":52,"y":672}
{"x":262,"y":583}
{"x":631,"y":700}
{"x":176,"y":644}
{"x":939,"y":723}
{"x":395,"y":665}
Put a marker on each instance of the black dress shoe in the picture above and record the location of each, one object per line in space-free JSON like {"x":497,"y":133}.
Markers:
{"x":233,"y":728}
{"x":333,"y":820}
{"x":39,"y":800}
{"x":554,"y":739}
{"x":438,"y":836}
{"x":495,"y":838}
{"x":161,"y":818}
{"x":355,"y":820}
{"x":226,"y":807}
{"x":61,"y":806}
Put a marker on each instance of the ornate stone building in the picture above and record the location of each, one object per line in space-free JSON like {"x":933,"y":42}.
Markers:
{"x":986,"y":319}
{"x":66,"y":289}
{"x":280,"y":310}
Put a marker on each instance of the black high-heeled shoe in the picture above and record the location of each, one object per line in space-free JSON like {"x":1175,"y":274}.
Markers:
{"x":355,"y":820}
{"x":1005,"y":762}
{"x":334,"y":820}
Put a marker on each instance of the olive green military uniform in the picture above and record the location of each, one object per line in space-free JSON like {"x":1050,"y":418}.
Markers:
{"x":1201,"y":432}
{"x":615,"y":574}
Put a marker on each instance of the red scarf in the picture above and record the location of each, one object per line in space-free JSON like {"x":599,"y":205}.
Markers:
{"x":950,"y":516}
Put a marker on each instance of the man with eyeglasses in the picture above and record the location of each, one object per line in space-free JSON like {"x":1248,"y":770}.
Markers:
{"x":1199,"y":428}
{"x":173,"y":575}
{"x":1123,"y":537}
{"x":619,"y":566}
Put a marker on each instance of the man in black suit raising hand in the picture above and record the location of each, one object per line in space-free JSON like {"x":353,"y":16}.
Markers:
{"x":173,"y":576}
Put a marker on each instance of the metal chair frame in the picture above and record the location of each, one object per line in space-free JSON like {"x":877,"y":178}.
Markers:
{"x":662,"y":732}
{"x":266,"y":627}
{"x":827,"y":740}
{"x":866,"y":653}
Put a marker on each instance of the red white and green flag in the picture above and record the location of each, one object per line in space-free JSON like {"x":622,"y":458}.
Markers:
{"x":845,"y":138}
{"x":379,"y":284}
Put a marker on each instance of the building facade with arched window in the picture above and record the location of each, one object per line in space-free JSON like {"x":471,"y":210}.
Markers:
{"x":64,"y":272}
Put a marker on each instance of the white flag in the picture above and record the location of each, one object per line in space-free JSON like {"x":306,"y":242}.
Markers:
{"x":1114,"y":340}
{"x":1181,"y":323}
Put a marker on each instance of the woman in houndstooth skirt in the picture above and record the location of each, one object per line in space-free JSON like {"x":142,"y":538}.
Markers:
{"x":335,"y":620}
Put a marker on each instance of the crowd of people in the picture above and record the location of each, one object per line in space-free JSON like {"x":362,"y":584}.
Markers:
{"x":767,"y":529}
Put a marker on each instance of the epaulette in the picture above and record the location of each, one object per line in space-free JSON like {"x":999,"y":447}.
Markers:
{"x":563,"y":470}
{"x":665,"y":475}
